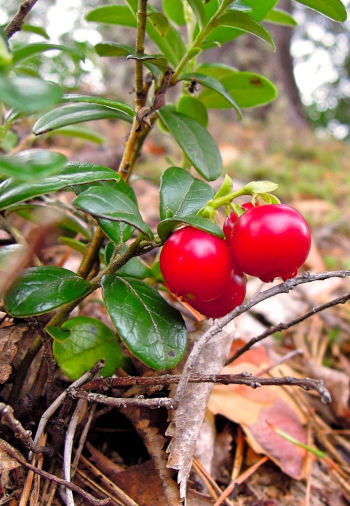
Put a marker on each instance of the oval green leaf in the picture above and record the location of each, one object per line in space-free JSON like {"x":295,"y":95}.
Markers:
{"x":166,"y":226}
{"x":259,"y":9}
{"x":70,"y":114}
{"x":111,"y":204}
{"x":114,"y":104}
{"x":195,"y":141}
{"x":28,"y":94}
{"x":198,"y":8}
{"x":174,"y":9}
{"x":42,"y":289}
{"x":30,"y":50}
{"x":247,"y":88}
{"x":113,"y":49}
{"x":32,"y":164}
{"x":279,"y":17}
{"x":193,"y":108}
{"x":38,"y":30}
{"x":181,"y":194}
{"x":261,"y":187}
{"x":214,"y":84}
{"x":79,"y":132}
{"x":87,"y":340}
{"x":74,"y":173}
{"x":151,"y":329}
{"x":333,"y":9}
{"x":241,"y":21}
{"x":160,"y":22}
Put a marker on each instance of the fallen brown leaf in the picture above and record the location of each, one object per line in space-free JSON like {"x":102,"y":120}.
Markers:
{"x":9,"y":337}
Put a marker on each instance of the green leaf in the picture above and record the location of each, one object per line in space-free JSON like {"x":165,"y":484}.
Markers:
{"x":181,"y":194}
{"x":260,"y":8}
{"x":87,"y":341}
{"x":152,"y":329}
{"x":333,"y":9}
{"x":114,"y":104}
{"x":247,"y":88}
{"x":214,"y":84}
{"x":171,"y":44}
{"x":32,"y":164}
{"x":39,"y":290}
{"x":198,"y":8}
{"x":196,"y":142}
{"x":28,"y":94}
{"x":5,"y":53}
{"x":78,"y":246}
{"x":193,"y":108}
{"x":174,"y":9}
{"x":244,"y":22}
{"x":160,"y":22}
{"x":279,"y":17}
{"x":70,"y":114}
{"x":30,"y":50}
{"x":118,"y":231}
{"x":74,"y":173}
{"x":79,"y":132}
{"x":166,"y":226}
{"x":36,"y":212}
{"x":111,"y":204}
{"x":113,"y":49}
{"x":38,"y":30}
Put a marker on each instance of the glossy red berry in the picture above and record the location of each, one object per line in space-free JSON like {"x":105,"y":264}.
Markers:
{"x":231,"y":220}
{"x":231,"y":297}
{"x":195,"y":264}
{"x":270,"y":241}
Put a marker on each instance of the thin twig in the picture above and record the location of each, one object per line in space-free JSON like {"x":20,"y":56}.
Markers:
{"x":8,"y":418}
{"x":222,"y":322}
{"x":55,"y":405}
{"x":82,"y":439}
{"x":14,"y":454}
{"x":18,"y":19}
{"x":225,"y":379}
{"x":283,"y":326}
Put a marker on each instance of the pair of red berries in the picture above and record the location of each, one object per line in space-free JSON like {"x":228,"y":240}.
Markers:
{"x":267,"y":241}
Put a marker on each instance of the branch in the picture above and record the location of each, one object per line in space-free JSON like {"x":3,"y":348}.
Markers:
{"x":285,"y":287}
{"x":284,"y":326}
{"x":15,"y":455}
{"x":140,"y":40}
{"x":168,"y":379}
{"x":17,"y":21}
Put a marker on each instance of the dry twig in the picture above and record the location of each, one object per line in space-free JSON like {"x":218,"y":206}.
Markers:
{"x":18,"y":19}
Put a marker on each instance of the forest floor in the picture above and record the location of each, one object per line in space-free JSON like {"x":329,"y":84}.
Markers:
{"x":124,"y":453}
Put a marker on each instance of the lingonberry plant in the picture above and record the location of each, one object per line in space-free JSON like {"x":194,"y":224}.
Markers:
{"x":103,"y":222}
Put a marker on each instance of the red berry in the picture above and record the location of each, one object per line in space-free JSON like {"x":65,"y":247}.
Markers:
{"x":195,"y":264}
{"x":232,"y":296}
{"x":270,"y":241}
{"x":231,"y":220}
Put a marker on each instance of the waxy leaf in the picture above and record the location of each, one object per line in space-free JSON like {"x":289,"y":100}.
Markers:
{"x":87,"y":340}
{"x":246,"y":88}
{"x":70,"y":114}
{"x":114,"y":104}
{"x":181,"y":194}
{"x":193,"y":108}
{"x":79,"y":132}
{"x":244,"y":22}
{"x":134,"y":267}
{"x":118,"y":231}
{"x":73,"y":173}
{"x":174,"y":9}
{"x":279,"y":17}
{"x":39,"y":290}
{"x":28,"y":94}
{"x":113,"y":49}
{"x":30,"y":50}
{"x":195,"y":141}
{"x":111,"y":204}
{"x":333,"y":9}
{"x":171,"y":45}
{"x":151,"y":329}
{"x":160,"y":22}
{"x":166,"y":226}
{"x":214,"y":84}
{"x":259,"y":8}
{"x":32,"y":164}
